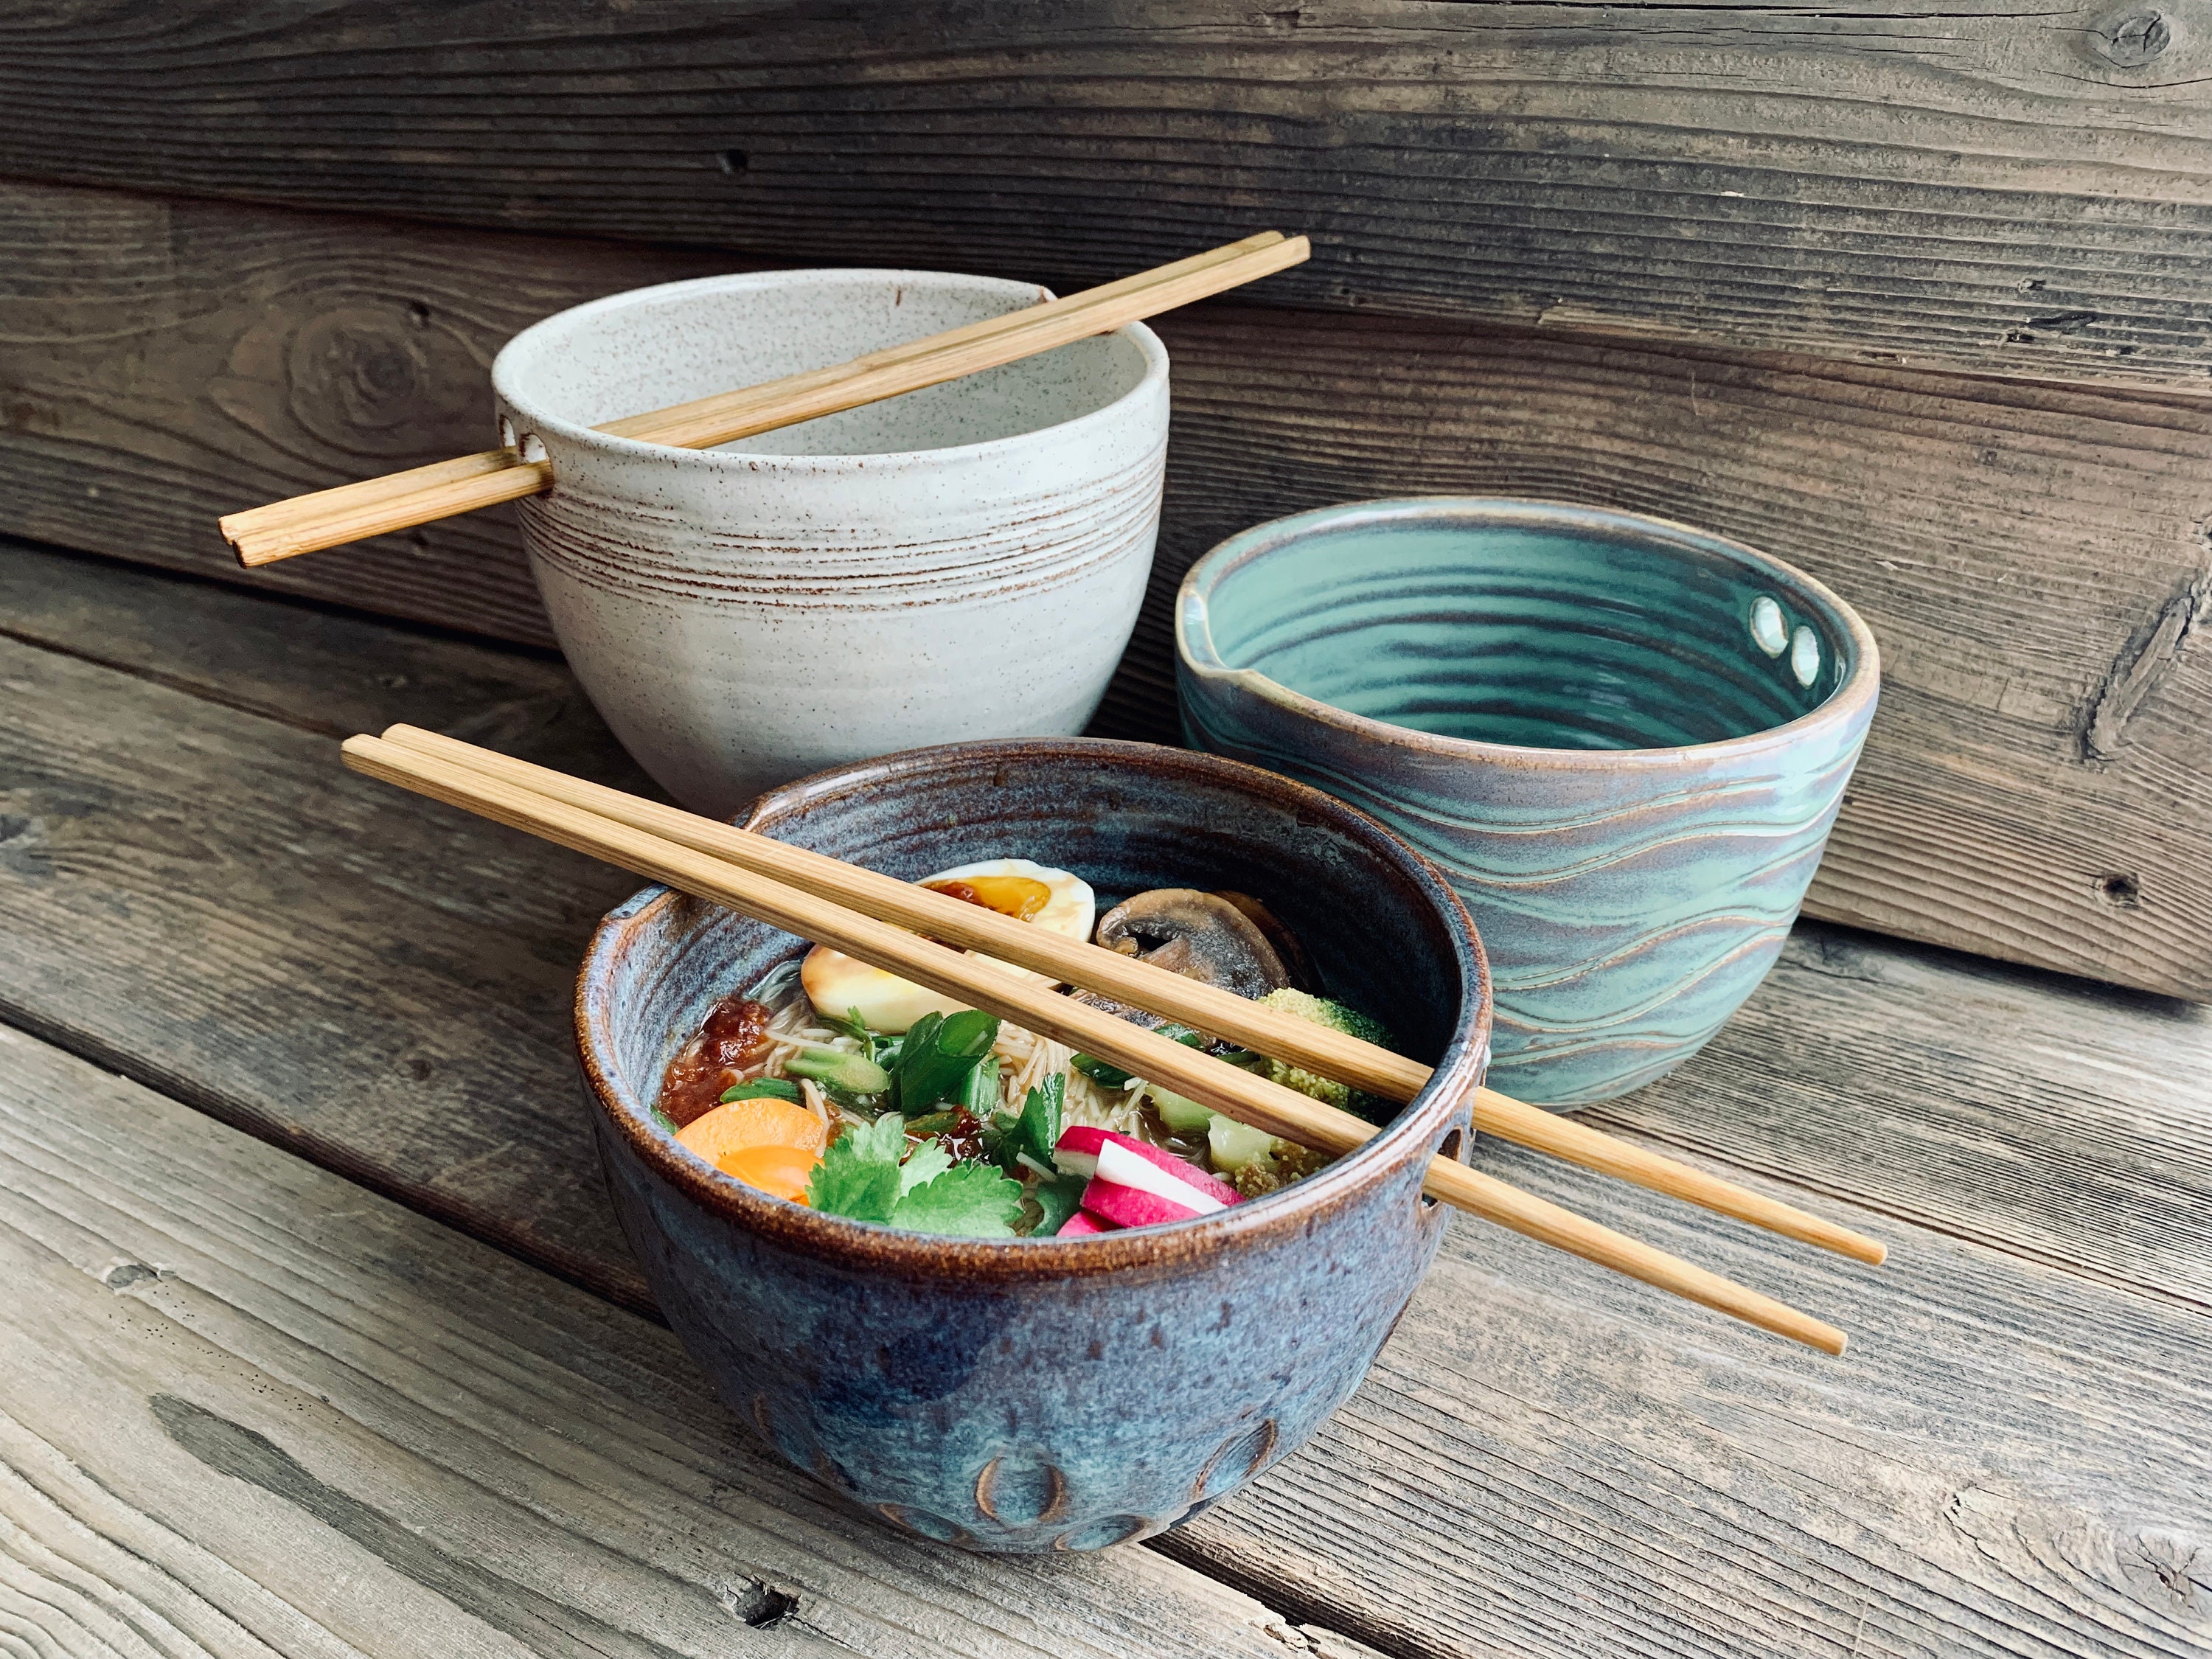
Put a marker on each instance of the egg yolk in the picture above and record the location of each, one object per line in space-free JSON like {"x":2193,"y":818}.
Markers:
{"x":779,"y":1172}
{"x":1019,"y":896}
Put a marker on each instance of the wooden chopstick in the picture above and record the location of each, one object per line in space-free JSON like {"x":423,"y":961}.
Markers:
{"x":327,"y":518}
{"x":1217,"y":1013}
{"x":983,"y":984}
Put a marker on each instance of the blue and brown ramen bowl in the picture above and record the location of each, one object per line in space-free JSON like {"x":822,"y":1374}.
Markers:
{"x":1037,"y":1394}
{"x":1623,"y":741}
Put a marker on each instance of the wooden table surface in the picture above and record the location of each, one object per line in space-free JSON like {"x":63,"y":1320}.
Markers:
{"x":317,"y":1336}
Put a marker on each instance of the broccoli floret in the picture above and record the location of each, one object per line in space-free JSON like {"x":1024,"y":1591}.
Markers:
{"x":1337,"y":1017}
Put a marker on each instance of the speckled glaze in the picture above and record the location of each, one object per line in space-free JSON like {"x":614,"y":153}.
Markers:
{"x":1623,"y":742}
{"x":962,"y":562}
{"x":1046,"y":1394}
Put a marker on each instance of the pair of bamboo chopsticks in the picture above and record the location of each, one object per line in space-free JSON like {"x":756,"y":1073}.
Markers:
{"x":375,"y":507}
{"x":870,"y":916}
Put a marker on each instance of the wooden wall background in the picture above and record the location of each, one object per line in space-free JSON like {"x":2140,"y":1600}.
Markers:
{"x":1915,"y":298}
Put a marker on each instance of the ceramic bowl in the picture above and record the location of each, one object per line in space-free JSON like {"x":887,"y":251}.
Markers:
{"x":962,"y":562}
{"x":1046,"y":1394}
{"x":1622,"y":740}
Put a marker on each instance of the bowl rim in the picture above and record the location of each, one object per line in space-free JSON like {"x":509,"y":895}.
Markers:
{"x":1271,"y":1220}
{"x":1196,"y":654}
{"x":509,"y":362}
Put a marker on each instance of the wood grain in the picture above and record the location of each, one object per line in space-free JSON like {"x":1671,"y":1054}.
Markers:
{"x":2016,"y":192}
{"x":251,"y":1409}
{"x":2011,"y":1460}
{"x":167,"y":362}
{"x":2033,"y":558}
{"x":199,"y":897}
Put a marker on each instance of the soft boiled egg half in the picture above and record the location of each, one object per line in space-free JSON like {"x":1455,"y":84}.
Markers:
{"x":1035,"y":893}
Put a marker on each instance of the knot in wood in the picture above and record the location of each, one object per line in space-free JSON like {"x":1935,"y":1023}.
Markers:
{"x":2136,"y":39}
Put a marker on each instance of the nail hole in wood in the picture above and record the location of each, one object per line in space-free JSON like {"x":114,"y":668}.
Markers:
{"x":2124,"y":891}
{"x":763,"y":1607}
{"x":734,"y":161}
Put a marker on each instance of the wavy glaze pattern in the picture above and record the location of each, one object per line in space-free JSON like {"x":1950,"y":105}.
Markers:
{"x":1571,"y":712}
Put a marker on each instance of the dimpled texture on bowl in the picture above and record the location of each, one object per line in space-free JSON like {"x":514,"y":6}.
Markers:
{"x":1623,"y":741}
{"x":1042,"y":1394}
{"x":966,"y":560}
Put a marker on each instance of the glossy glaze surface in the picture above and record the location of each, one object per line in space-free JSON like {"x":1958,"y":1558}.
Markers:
{"x":1044,"y":1394}
{"x":962,"y":562}
{"x":1623,"y":740}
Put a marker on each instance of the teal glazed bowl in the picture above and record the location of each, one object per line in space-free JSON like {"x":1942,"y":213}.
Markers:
{"x":1624,"y":741}
{"x":1050,"y":1395}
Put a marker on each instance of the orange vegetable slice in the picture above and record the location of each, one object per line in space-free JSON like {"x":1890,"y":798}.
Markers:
{"x":761,"y":1121}
{"x":779,"y":1172}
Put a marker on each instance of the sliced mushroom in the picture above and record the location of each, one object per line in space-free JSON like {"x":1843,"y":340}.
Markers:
{"x":1296,"y":962}
{"x":1197,"y":935}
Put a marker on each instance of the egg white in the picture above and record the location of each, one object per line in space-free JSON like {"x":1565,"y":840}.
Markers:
{"x":836,"y":983}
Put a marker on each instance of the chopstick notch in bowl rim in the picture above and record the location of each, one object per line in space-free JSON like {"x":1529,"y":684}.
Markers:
{"x":983,"y":983}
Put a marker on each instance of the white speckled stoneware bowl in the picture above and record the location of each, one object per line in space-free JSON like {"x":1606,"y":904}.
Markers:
{"x":964,"y":561}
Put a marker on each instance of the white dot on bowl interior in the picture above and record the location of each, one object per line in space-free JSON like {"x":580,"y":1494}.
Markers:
{"x":1766,"y":629}
{"x":1805,"y":656}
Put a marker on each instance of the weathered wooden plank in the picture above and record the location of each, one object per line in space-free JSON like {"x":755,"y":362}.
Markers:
{"x":2038,"y":785}
{"x":2009,"y":1462}
{"x":326,"y":673}
{"x":1547,"y":1459}
{"x":2016,"y":192}
{"x":2052,"y":1119}
{"x":249,"y":1405}
{"x":198,"y":897}
{"x":169,"y":362}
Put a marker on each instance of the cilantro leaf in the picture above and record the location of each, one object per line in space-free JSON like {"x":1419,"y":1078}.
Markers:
{"x":1059,"y":1199}
{"x":1031,"y":1133}
{"x":939,"y":1054}
{"x":969,"y":1200}
{"x":858,"y":1174}
{"x":979,"y":1093}
{"x":1108,"y":1076}
{"x":924,"y":1163}
{"x":1036,"y":1132}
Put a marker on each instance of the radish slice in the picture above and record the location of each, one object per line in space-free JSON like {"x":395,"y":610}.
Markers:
{"x":1129,"y":1162}
{"x":1176,"y":1182}
{"x":1130,"y":1207}
{"x":1081,"y":1224}
{"x":1076,"y":1151}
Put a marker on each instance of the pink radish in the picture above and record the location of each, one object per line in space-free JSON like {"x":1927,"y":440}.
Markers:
{"x":1129,"y":1162}
{"x":1135,"y":1184}
{"x":1079,"y":1225}
{"x":1131,"y":1206}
